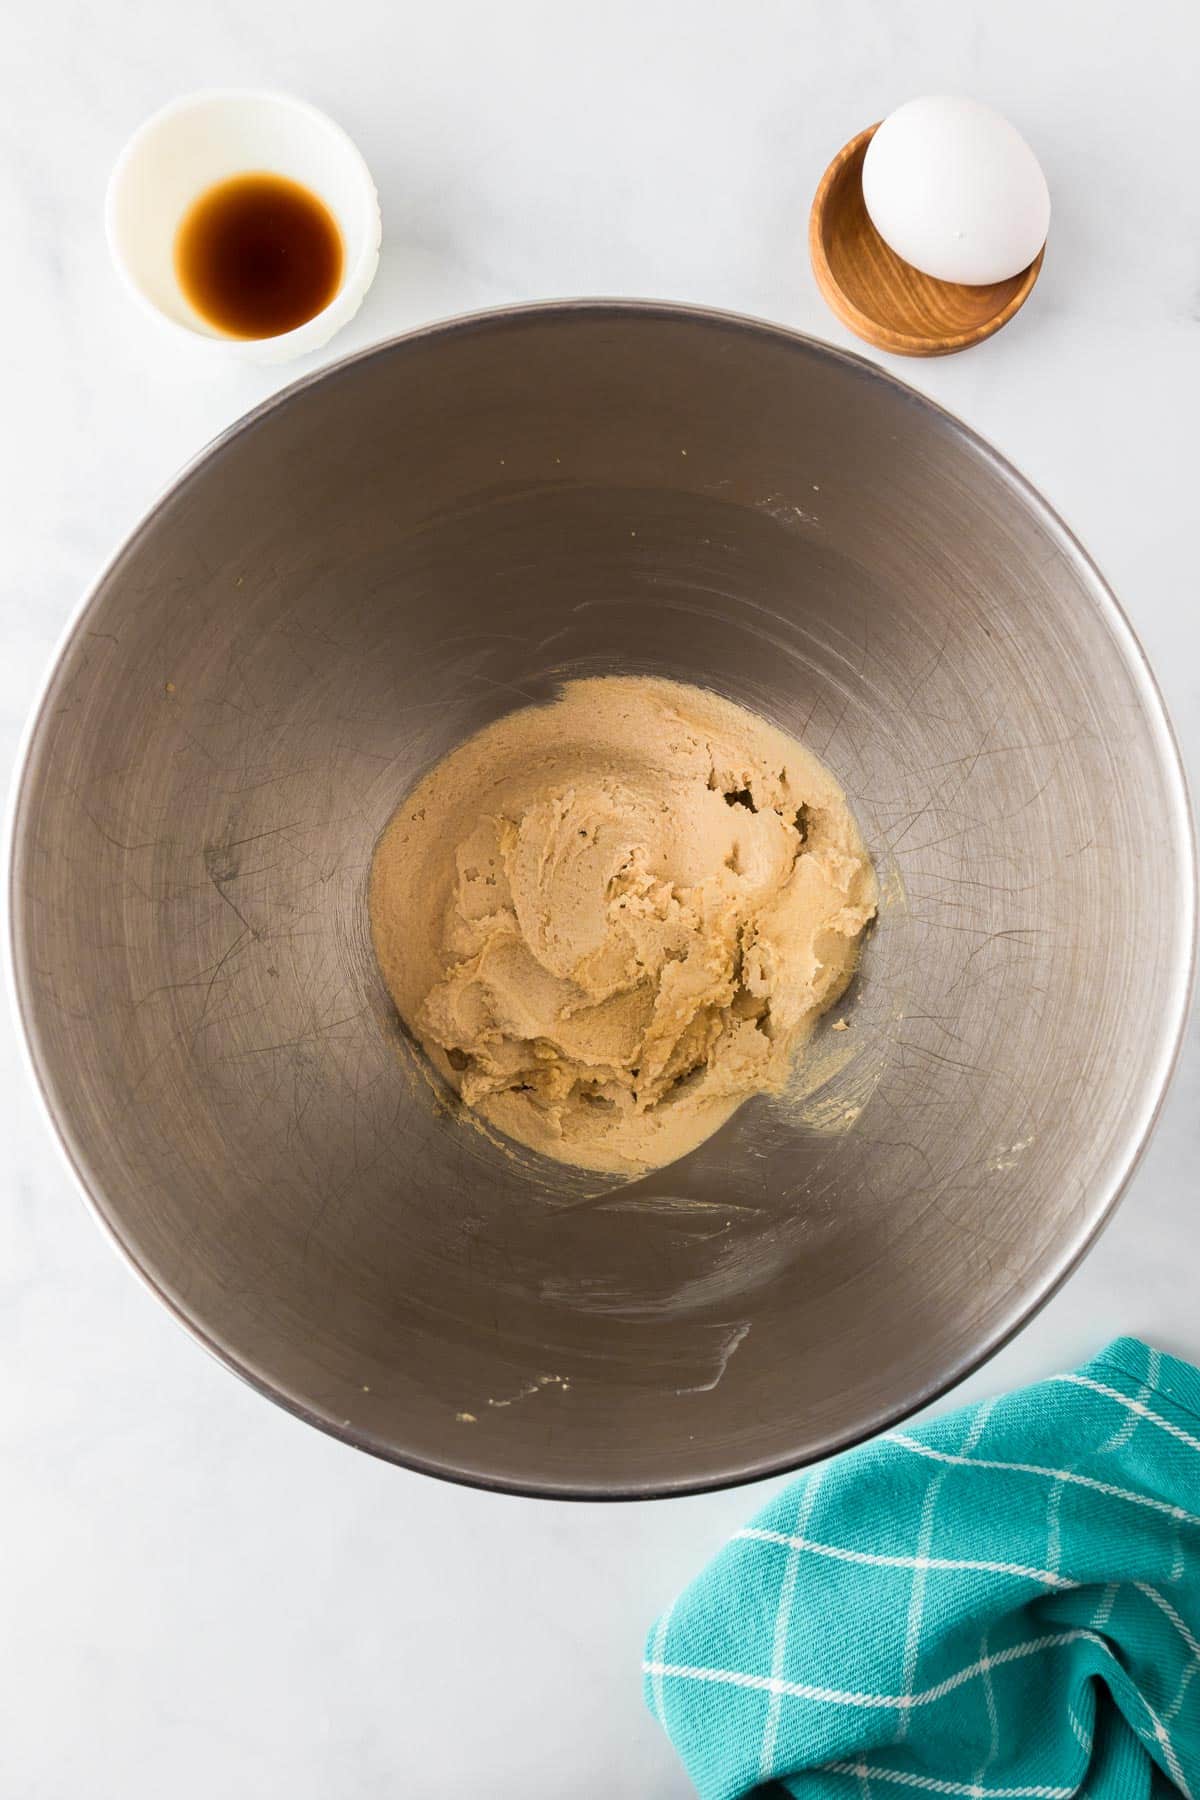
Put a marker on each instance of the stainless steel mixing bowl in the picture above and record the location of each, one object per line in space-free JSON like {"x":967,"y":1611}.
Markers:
{"x":386,"y":558}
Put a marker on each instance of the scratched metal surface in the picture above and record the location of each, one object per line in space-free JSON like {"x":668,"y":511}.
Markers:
{"x":391,"y":557}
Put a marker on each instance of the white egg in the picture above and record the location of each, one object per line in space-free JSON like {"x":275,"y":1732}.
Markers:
{"x":956,"y":191}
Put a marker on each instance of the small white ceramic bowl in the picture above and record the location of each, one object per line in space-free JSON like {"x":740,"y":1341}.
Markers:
{"x":204,"y":138}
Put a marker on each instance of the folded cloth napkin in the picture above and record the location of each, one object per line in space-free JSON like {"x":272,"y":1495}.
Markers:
{"x":1002,"y":1603}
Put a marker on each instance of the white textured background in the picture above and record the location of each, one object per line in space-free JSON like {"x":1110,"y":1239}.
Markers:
{"x":198,"y":1595}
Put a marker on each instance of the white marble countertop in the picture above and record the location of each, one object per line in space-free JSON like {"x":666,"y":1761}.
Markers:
{"x":202,"y":1596}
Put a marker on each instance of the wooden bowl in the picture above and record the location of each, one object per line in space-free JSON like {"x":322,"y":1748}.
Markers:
{"x":884,"y":299}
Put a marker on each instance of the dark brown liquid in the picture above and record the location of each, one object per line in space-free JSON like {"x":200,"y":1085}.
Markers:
{"x":258,"y":255}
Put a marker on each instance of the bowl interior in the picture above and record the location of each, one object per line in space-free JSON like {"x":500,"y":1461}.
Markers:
{"x":403,"y":549}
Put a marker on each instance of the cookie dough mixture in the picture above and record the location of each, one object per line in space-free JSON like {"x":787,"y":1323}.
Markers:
{"x":611,"y":919}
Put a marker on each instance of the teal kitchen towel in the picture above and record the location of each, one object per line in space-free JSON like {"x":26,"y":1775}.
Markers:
{"x":1002,"y":1603}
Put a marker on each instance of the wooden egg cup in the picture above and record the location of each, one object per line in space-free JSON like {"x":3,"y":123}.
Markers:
{"x":884,"y":299}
